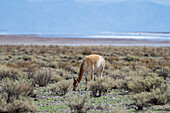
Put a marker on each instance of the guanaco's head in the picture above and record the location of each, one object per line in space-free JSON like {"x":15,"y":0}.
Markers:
{"x":75,"y":84}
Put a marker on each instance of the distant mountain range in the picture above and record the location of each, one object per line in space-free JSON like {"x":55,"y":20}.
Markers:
{"x":69,"y":17}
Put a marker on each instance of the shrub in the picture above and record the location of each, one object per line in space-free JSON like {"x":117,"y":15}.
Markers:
{"x":131,"y":58}
{"x":123,"y":72}
{"x":158,"y":96}
{"x":31,"y":71}
{"x":53,"y":65}
{"x":140,"y":84}
{"x":64,"y":65}
{"x":142,"y":71}
{"x":43,"y":77}
{"x":120,"y":84}
{"x":118,"y":74}
{"x":118,"y":109}
{"x":78,"y":103}
{"x":163,"y":72}
{"x":17,"y":106}
{"x":87,"y":51}
{"x":13,"y":89}
{"x":67,"y":76}
{"x":74,"y":70}
{"x":7,"y":72}
{"x":137,"y":80}
{"x":56,"y":78}
{"x":101,"y":85}
{"x":64,"y":74}
{"x":27,"y":57}
{"x":62,"y":88}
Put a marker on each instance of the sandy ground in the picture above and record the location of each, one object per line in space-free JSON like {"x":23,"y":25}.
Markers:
{"x":34,"y":40}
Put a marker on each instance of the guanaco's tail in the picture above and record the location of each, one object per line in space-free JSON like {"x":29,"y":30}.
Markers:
{"x":81,"y":72}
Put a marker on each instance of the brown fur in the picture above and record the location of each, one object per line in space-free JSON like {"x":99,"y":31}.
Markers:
{"x":81,"y":72}
{"x":90,"y":60}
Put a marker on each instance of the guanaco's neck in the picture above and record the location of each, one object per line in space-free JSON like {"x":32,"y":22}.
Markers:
{"x":81,"y":72}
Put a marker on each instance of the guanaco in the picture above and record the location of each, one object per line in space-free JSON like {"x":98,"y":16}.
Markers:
{"x":94,"y":64}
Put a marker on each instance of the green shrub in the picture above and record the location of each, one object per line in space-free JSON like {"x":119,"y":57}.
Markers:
{"x":56,"y":78}
{"x":120,"y":84}
{"x":43,"y":77}
{"x":136,"y":80}
{"x":17,"y":106}
{"x":13,"y":89}
{"x":62,"y":87}
{"x":64,"y":65}
{"x":100,"y":86}
{"x":31,"y":71}
{"x":141,"y":71}
{"x":164,"y":72}
{"x":53,"y":65}
{"x":7,"y":57}
{"x":120,"y":74}
{"x":79,"y":103}
{"x":7,"y":72}
{"x":64,"y":74}
{"x":158,"y":96}
{"x":27,"y":57}
{"x":87,"y":51}
{"x":117,"y":74}
{"x":131,"y":58}
{"x":140,"y":84}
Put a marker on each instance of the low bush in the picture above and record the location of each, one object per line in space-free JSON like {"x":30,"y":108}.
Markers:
{"x":27,"y":57}
{"x":87,"y":51}
{"x":79,"y":103}
{"x":43,"y":77}
{"x":62,"y":87}
{"x":13,"y":89}
{"x":31,"y":71}
{"x":137,"y":80}
{"x":52,"y":65}
{"x":56,"y":78}
{"x":163,"y":72}
{"x":100,"y":86}
{"x":7,"y":72}
{"x":158,"y":96}
{"x":64,"y":74}
{"x":120,"y":84}
{"x":131,"y":58}
{"x":119,"y":74}
{"x":140,"y":84}
{"x":64,"y":65}
{"x":17,"y":106}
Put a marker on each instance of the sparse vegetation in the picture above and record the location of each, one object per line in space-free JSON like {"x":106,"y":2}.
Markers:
{"x":135,"y":78}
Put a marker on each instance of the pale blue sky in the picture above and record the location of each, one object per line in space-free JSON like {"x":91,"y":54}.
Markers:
{"x":83,"y":16}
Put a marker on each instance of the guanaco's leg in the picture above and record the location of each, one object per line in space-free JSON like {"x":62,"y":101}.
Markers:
{"x":100,"y":72}
{"x":92,"y":73}
{"x":86,"y":83}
